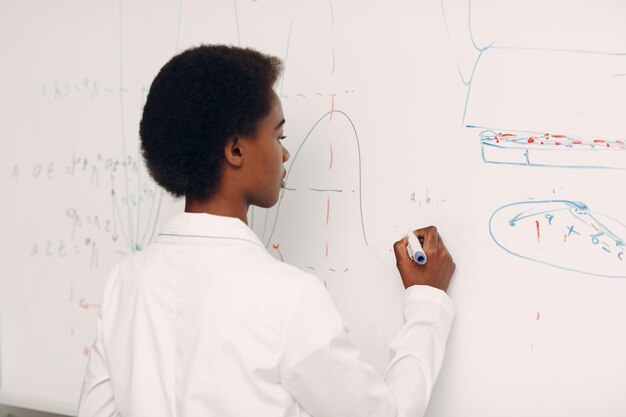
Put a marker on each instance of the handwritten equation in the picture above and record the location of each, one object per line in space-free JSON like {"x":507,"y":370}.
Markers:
{"x":562,"y":234}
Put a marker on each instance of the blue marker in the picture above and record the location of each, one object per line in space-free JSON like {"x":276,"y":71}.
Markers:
{"x":415,"y":249}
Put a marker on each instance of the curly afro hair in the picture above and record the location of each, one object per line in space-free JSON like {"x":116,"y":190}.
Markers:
{"x":199,"y":99}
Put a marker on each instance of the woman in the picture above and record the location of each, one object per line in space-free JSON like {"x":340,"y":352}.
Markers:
{"x":204,"y":322}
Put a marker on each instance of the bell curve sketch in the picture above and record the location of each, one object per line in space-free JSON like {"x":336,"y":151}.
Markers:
{"x":562,"y":234}
{"x":332,"y":184}
{"x":325,"y":171}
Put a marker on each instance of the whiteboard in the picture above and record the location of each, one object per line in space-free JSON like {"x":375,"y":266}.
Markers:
{"x":501,"y":122}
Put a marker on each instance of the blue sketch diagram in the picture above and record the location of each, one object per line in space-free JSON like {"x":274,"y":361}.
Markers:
{"x":538,"y":84}
{"x":551,"y":150}
{"x":550,"y":93}
{"x":563,"y":234}
{"x":136,"y":205}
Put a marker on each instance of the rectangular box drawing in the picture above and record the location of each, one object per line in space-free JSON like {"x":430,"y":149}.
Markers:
{"x":551,"y":150}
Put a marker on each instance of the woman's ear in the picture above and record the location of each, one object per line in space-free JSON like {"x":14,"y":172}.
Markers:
{"x":233,"y":151}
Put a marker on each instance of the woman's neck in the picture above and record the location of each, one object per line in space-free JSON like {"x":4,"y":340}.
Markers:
{"x":219,"y":204}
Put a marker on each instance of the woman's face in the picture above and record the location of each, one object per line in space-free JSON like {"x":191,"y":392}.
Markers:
{"x":265,"y":158}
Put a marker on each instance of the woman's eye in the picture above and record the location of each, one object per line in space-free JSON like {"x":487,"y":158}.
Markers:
{"x":282,"y":137}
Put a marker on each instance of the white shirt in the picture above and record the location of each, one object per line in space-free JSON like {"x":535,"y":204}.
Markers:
{"x":205,"y":322}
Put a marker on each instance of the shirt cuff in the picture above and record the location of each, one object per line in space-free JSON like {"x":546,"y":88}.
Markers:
{"x":426,"y":302}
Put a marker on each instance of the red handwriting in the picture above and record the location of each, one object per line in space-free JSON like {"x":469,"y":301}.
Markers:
{"x":277,"y":248}
{"x":83,"y":304}
{"x":537,"y":226}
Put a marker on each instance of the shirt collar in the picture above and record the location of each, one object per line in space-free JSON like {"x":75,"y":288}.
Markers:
{"x":204,"y":225}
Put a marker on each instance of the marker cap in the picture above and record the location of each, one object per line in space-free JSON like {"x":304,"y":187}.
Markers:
{"x":416,"y":252}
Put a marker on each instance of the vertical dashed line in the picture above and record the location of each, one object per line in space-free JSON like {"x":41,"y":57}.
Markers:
{"x":331,"y":157}
{"x":237,"y":23}
{"x":332,"y":23}
{"x":130,"y":226}
{"x":180,"y":14}
{"x":327,"y":209}
{"x":282,"y":77}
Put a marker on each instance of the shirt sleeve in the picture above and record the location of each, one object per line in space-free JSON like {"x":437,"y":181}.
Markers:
{"x":96,"y":399}
{"x":322,"y":369}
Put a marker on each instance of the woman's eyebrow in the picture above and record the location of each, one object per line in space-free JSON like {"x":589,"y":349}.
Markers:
{"x":282,"y":122}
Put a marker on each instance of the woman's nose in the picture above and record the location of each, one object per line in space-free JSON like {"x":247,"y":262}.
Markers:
{"x":285,"y":154}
